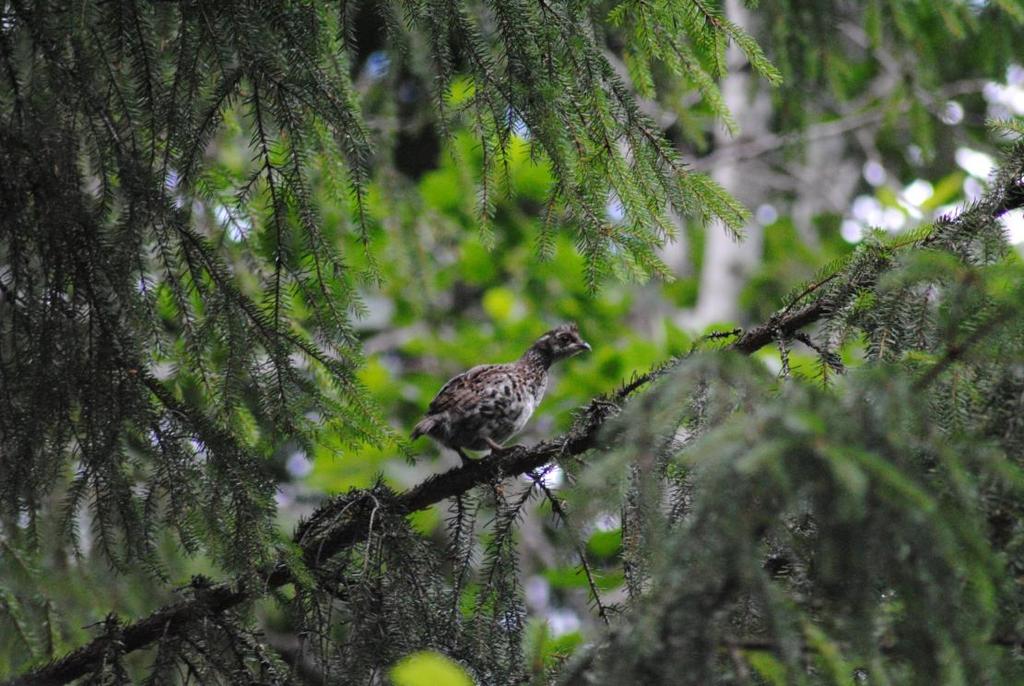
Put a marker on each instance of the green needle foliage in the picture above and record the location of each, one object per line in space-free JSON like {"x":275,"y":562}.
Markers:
{"x":176,"y":317}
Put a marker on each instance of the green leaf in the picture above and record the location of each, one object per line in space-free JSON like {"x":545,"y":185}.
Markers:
{"x":429,"y":669}
{"x":573,"y":577}
{"x":767,"y":667}
{"x":829,"y":654}
{"x":605,"y":543}
{"x":945,"y":191}
{"x":500,"y":304}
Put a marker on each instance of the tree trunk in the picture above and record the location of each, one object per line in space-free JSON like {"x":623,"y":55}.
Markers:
{"x":728,"y":264}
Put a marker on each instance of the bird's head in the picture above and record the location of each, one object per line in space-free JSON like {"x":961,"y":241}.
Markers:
{"x":559,"y":343}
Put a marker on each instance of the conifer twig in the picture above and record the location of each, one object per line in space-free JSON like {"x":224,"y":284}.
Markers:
{"x":560,"y":513}
{"x":958,"y":350}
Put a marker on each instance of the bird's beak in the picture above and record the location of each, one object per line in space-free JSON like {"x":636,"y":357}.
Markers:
{"x":583,"y":345}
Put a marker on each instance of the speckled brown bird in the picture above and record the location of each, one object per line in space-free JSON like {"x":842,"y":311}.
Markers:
{"x":483,"y":407}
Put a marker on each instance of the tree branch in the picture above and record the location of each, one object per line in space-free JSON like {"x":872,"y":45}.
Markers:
{"x":956,"y":351}
{"x":874,"y":115}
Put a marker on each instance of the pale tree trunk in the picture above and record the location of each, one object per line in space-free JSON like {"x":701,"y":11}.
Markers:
{"x":727,"y":263}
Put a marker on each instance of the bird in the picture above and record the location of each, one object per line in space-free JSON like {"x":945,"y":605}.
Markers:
{"x":486,"y":405}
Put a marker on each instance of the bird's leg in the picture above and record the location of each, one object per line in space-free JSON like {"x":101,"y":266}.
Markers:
{"x":497,"y":448}
{"x":465,"y":458}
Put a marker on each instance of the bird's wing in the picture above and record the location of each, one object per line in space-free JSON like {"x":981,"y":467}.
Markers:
{"x":464,"y":391}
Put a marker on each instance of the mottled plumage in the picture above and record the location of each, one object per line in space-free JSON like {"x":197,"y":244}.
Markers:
{"x":485,"y":406}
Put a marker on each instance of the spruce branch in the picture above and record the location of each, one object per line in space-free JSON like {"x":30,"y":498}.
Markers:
{"x":956,"y":351}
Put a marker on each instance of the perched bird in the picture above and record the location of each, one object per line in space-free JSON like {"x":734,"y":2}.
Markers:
{"x":483,"y":407}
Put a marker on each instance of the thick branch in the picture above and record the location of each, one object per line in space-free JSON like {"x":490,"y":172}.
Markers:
{"x":789,"y":323}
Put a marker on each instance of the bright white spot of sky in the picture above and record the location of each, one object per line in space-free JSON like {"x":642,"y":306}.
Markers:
{"x":1014,"y":223}
{"x":851,"y":230}
{"x":893,"y":219}
{"x":238,"y":227}
{"x":915,"y":154}
{"x":562,"y":621}
{"x":199,"y":449}
{"x":519,"y":126}
{"x":608,"y":522}
{"x":874,"y":173}
{"x":972,"y":189}
{"x":284,"y":497}
{"x":1015,"y":75}
{"x":918,"y":192}
{"x":766,"y":214}
{"x":1004,"y":100}
{"x":298,"y":465}
{"x":553,"y":478}
{"x":974,"y":162}
{"x":537,"y":591}
{"x":172,"y":181}
{"x":614,"y":209}
{"x":867,"y":210}
{"x":377,"y":65}
{"x":953,"y":113}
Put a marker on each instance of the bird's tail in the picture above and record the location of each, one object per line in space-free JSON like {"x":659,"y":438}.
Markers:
{"x":426,"y":425}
